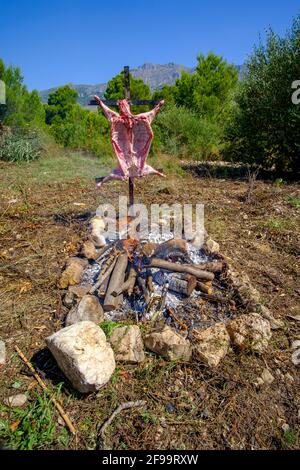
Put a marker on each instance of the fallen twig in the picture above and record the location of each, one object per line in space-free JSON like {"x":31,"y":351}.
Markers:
{"x":44,"y":387}
{"x":180,"y":323}
{"x":123,"y":406}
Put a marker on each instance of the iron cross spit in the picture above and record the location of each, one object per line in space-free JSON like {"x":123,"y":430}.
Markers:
{"x":131,"y":136}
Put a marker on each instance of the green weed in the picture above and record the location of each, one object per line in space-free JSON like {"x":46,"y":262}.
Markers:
{"x":294,"y":201}
{"x":33,"y":427}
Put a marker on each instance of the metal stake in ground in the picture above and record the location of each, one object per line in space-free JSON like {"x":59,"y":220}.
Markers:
{"x":127,"y":97}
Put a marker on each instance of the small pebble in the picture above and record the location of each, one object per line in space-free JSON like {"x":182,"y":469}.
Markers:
{"x":16,"y":400}
{"x":289,"y":377}
{"x":61,"y":421}
{"x":170,"y":408}
{"x":267,"y":377}
{"x":285,"y":427}
{"x":204,"y":414}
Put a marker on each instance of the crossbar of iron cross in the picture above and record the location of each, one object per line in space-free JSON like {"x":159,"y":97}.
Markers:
{"x":133,"y":103}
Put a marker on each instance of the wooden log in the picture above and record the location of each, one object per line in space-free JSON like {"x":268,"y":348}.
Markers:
{"x":204,"y":287}
{"x":181,"y":268}
{"x":106,"y":271}
{"x":103,"y":251}
{"x":215,"y":298}
{"x":112,"y":302}
{"x":174,"y":247}
{"x":142,"y":284}
{"x":214,"y":267}
{"x":131,"y":280}
{"x":149,"y":281}
{"x":103,"y":288}
{"x":183,"y":286}
{"x":149,"y":248}
{"x":128,"y":285}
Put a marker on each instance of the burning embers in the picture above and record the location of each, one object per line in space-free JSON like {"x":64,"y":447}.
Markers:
{"x":171,"y":281}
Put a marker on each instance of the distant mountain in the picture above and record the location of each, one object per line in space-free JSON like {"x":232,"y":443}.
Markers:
{"x":85,"y":92}
{"x":154,"y":75}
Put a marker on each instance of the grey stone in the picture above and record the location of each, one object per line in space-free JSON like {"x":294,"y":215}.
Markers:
{"x":88,"y":250}
{"x":69,"y":299}
{"x":211,"y":246}
{"x":168,"y":343}
{"x":267,"y":377}
{"x":250,"y":331}
{"x":127,"y":344}
{"x":275,"y":323}
{"x":73,"y":272}
{"x":212,"y":344}
{"x":240,"y":281}
{"x":88,"y":309}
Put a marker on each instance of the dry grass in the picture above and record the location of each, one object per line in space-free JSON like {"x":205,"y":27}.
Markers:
{"x":188,"y":406}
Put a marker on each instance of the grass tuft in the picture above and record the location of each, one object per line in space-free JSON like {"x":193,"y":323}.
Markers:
{"x":33,"y":427}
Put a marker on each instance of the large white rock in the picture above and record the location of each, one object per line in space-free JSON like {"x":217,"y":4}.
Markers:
{"x":127,"y":344}
{"x":84,"y":355}
{"x":250,"y":331}
{"x":168,"y":343}
{"x":88,"y":309}
{"x":212,"y":344}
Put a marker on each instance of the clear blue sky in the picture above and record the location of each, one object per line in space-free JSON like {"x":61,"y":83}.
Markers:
{"x":88,"y":41}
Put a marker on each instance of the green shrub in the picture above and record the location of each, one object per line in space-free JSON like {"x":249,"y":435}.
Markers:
{"x":21,"y":147}
{"x":265,"y":126}
{"x":182,"y":133}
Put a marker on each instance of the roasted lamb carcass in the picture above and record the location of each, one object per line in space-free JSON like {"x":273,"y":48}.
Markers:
{"x":131,"y":136}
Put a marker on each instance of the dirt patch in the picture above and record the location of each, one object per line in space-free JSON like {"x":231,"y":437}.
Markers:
{"x":188,"y":406}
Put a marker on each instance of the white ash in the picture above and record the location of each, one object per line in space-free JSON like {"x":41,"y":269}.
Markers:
{"x":157,"y":237}
{"x":196,"y":255}
{"x":91,"y":273}
{"x":160,"y":279}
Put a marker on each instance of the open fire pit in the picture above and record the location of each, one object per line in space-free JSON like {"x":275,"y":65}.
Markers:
{"x":184,"y":294}
{"x":157,"y":280}
{"x":188,"y":301}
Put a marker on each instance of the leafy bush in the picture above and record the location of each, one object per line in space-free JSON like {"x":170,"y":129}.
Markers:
{"x":208,"y":91}
{"x":139,"y":90}
{"x":18,"y":147}
{"x":183,"y":133}
{"x":75,"y":127}
{"x":265,"y":124}
{"x":22,"y":107}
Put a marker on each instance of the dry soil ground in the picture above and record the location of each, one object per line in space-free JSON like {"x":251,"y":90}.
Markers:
{"x":43,"y":216}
